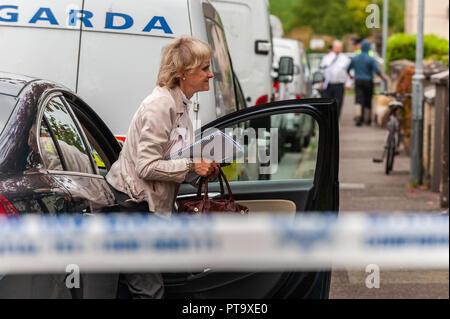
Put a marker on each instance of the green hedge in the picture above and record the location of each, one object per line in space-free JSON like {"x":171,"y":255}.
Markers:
{"x":403,"y":46}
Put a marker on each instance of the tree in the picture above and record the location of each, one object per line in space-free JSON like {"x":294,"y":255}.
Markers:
{"x":336,"y":17}
{"x":324,"y":17}
{"x":358,"y":15}
{"x":283,"y":10}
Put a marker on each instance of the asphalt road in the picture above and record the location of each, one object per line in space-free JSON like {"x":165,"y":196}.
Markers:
{"x":366,"y":188}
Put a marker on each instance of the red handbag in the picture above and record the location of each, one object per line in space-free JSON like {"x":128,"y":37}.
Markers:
{"x":205,"y":205}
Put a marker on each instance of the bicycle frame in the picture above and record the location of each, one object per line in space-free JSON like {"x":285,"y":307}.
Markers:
{"x":393,"y":140}
{"x":394,"y":135}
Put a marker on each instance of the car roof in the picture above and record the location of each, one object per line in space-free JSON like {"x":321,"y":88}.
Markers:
{"x":12,"y":84}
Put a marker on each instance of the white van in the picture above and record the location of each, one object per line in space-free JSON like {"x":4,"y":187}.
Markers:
{"x":247,"y":27}
{"x":109,"y":51}
{"x":301,"y":86}
{"x":276,"y":26}
{"x":295,"y":127}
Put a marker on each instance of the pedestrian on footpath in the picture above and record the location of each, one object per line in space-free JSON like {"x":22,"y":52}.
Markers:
{"x":358,"y":105}
{"x":334,"y":68}
{"x":357,"y":46}
{"x":364,"y":66}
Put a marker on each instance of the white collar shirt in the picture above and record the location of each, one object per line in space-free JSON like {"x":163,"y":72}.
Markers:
{"x":335,"y":68}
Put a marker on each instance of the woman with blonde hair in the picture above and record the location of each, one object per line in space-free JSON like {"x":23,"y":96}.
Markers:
{"x":142,"y":179}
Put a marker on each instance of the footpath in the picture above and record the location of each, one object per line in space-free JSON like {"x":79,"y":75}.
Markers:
{"x":366,"y":188}
{"x":364,"y":184}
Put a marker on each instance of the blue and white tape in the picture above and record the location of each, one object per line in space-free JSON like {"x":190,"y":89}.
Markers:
{"x":261,"y":242}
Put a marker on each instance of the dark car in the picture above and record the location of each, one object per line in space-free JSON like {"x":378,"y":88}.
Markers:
{"x":55,"y":152}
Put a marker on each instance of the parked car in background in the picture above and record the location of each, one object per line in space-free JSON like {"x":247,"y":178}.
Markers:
{"x":247,"y":29}
{"x":55,"y":151}
{"x":109,"y":51}
{"x":300,"y":87}
{"x":276,"y":26}
{"x":295,"y":127}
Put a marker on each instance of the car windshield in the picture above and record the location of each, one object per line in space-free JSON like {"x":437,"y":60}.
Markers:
{"x":7,"y":104}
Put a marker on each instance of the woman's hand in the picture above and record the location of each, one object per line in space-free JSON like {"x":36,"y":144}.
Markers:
{"x":205,"y":167}
{"x":215,"y":173}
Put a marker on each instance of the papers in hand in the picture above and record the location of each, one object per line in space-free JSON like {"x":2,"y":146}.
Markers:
{"x":214,"y":145}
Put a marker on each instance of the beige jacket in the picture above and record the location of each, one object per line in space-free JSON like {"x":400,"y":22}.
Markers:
{"x":161,"y":122}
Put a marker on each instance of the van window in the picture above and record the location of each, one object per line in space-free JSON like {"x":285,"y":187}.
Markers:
{"x":240,"y":99}
{"x":221,"y":67}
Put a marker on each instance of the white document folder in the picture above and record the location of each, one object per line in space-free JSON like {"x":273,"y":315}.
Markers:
{"x":215,"y":145}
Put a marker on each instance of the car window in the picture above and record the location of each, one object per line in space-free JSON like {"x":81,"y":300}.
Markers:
{"x":276,"y":147}
{"x":7,"y":104}
{"x":49,"y":152}
{"x":100,"y":158}
{"x":96,"y":140}
{"x":72,"y":152}
{"x":221,"y":67}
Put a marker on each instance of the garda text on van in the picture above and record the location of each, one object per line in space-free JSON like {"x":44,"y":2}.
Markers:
{"x":48,"y":17}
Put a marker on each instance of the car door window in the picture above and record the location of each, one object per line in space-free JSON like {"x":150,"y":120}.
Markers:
{"x":100,"y":146}
{"x":101,"y":160}
{"x":221,"y":67}
{"x":49,"y":152}
{"x":275,"y":147}
{"x":72,"y":154}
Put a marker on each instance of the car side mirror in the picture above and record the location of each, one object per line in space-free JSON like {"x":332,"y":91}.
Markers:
{"x":318,"y":77}
{"x":286,"y":69}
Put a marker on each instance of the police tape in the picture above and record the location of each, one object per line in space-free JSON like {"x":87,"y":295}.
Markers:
{"x":260,"y":242}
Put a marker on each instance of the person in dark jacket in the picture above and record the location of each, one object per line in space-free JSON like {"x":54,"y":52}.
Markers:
{"x":364,"y":66}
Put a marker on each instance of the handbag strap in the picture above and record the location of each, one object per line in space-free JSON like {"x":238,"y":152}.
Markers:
{"x":222,"y":191}
{"x":204,"y":181}
{"x":205,"y":197}
{"x":329,"y":65}
{"x":222,"y":175}
{"x":199,"y":187}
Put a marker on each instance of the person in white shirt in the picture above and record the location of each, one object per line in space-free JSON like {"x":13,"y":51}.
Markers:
{"x":334,"y":68}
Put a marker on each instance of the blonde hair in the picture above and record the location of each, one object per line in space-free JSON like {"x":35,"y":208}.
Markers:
{"x":182,"y":55}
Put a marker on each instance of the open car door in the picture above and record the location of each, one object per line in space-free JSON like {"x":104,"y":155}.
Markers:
{"x":298,"y":174}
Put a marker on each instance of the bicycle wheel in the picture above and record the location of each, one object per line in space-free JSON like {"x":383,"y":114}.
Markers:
{"x":390,"y":153}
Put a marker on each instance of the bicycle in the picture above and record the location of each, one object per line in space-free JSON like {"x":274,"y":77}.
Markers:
{"x":395,"y":135}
